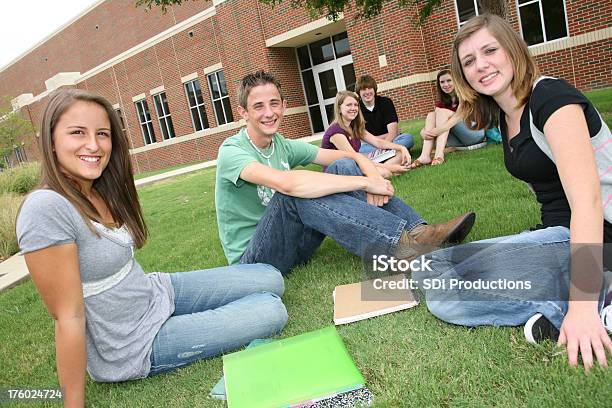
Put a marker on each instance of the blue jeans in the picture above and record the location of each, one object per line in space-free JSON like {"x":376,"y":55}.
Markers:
{"x":461,"y":135}
{"x":404,"y":139}
{"x":218,"y":310}
{"x":292,"y":228}
{"x":541,"y":257}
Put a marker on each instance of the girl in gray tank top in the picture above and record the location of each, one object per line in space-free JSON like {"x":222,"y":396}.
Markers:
{"x":78,"y":232}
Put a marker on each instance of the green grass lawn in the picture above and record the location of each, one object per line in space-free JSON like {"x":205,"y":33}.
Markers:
{"x":408,"y":358}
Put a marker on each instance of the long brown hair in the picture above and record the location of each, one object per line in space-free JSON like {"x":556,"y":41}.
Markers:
{"x":482,"y":109}
{"x":355,"y":129}
{"x":115,"y":185}
{"x":446,"y":99}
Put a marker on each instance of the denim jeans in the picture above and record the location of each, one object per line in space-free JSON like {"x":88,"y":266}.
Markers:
{"x":292,"y":228}
{"x":404,"y":139}
{"x":541,"y":257}
{"x":461,"y":135}
{"x":218,"y":310}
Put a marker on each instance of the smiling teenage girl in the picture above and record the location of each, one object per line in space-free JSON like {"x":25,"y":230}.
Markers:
{"x":555,"y":140}
{"x":78,"y":232}
{"x":348,"y":130}
{"x":443,"y":118}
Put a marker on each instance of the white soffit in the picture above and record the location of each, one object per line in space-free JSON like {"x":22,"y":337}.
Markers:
{"x":308,"y":33}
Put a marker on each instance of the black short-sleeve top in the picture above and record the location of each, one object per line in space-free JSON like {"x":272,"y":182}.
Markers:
{"x":525,"y":161}
{"x":382,"y":114}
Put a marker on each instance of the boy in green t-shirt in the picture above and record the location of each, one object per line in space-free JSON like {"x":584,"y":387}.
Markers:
{"x":269,"y":213}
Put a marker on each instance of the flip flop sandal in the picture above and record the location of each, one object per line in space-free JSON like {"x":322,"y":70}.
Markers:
{"x":437,"y":161}
{"x":416,"y":164}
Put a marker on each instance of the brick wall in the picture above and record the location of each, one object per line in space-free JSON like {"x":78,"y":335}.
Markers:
{"x":107,"y":30}
{"x":235,"y":37}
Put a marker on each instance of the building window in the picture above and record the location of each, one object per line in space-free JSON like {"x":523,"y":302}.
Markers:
{"x":467,"y":9}
{"x":542,"y":20}
{"x":220,"y":98}
{"x":196,"y":105}
{"x":163,"y":115}
{"x":120,"y":116}
{"x":144,"y":118}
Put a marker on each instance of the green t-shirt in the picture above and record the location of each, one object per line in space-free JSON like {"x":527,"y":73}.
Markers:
{"x":240,"y":204}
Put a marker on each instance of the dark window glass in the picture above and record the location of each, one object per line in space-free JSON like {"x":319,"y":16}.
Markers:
{"x":198,"y":91}
{"x":170,"y":126}
{"x":191,"y":98}
{"x":327,"y":80}
{"x":322,"y":51}
{"x":316,"y":119}
{"x":531,"y":24}
{"x":197,"y":123}
{"x":196,"y":105}
{"x":214,"y":87}
{"x":329,"y":110}
{"x":163,"y":115}
{"x":349,"y":77}
{"x":309,"y":87}
{"x":222,"y":84}
{"x":144,"y":116}
{"x":229,"y":117}
{"x":152,"y":138}
{"x":341,"y":44}
{"x":554,"y":19}
{"x":466,"y":10}
{"x":303,"y":57}
{"x":219,"y":112}
{"x":141,"y":115}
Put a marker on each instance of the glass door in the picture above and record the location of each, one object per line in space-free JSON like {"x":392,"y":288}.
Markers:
{"x":330,"y":78}
{"x":326,"y":67}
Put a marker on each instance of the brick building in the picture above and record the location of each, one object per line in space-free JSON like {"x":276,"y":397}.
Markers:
{"x":173,"y":76}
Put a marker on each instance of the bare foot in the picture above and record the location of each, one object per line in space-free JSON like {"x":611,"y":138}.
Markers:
{"x":383,"y":171}
{"x":396,"y":169}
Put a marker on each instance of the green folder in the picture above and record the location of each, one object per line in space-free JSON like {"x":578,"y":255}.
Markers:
{"x":290,"y":371}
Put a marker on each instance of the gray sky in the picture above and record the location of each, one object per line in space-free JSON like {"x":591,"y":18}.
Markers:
{"x":24,"y":23}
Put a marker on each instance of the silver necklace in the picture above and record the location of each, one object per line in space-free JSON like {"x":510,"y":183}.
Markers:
{"x":267,"y":157}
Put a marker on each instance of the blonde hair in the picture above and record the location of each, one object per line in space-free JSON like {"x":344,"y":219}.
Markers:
{"x":355,"y":129}
{"x":482,"y":109}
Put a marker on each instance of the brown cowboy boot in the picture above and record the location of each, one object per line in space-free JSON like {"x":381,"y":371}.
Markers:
{"x":426,"y":238}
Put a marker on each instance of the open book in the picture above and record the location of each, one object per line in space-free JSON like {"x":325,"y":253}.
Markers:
{"x":362,"y":300}
{"x":380,"y":155}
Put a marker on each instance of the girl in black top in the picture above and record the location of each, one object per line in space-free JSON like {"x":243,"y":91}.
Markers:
{"x":497,"y":82}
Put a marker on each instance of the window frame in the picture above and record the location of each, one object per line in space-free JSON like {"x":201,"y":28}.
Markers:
{"x":165,"y":117}
{"x":119,"y":113}
{"x":459,"y":23}
{"x":542,"y":26}
{"x":200,"y":108}
{"x":148,"y":124}
{"x":215,"y":74}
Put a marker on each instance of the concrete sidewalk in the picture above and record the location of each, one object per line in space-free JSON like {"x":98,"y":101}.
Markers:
{"x":13,"y":271}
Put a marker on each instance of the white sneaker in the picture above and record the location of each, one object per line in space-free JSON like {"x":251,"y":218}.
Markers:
{"x":538,"y":328}
{"x":606,"y":317}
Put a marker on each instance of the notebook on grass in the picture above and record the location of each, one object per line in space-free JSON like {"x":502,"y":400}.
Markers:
{"x":380,"y":155}
{"x":289,"y":372}
{"x":362,"y":300}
